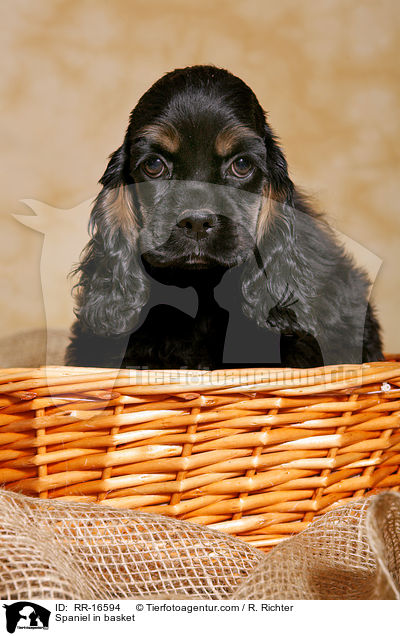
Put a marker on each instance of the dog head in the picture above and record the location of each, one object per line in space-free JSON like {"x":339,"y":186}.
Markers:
{"x":189,"y":189}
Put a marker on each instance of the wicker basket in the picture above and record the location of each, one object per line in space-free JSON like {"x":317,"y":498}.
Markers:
{"x":256,"y":453}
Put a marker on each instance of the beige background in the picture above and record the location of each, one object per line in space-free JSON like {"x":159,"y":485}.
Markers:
{"x":326,"y":71}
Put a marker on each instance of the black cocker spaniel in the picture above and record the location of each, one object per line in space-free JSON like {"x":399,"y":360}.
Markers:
{"x":203,"y":254}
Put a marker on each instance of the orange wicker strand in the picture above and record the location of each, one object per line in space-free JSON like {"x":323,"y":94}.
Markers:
{"x":257,"y":453}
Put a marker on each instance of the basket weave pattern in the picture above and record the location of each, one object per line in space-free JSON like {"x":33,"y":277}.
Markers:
{"x":257,"y":453}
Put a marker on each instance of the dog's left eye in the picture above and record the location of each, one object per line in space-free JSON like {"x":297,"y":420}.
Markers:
{"x":241,"y":167}
{"x":154,"y":167}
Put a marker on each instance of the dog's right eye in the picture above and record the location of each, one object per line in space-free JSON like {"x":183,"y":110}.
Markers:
{"x":154,"y":167}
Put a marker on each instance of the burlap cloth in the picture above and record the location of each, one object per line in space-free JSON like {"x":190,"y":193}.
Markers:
{"x":53,"y":550}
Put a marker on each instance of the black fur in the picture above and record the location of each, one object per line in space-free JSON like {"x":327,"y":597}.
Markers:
{"x":196,"y":222}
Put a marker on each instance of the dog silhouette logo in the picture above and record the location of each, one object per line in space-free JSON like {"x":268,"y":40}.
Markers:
{"x":26,"y":615}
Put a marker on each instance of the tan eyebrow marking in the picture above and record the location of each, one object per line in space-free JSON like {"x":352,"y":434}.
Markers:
{"x":164,"y":134}
{"x":228,"y":137}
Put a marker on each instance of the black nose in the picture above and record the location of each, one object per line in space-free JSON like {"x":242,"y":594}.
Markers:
{"x":197,"y":224}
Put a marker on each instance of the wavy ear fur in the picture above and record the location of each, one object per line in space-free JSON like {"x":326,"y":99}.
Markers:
{"x":267,"y":283}
{"x":112,"y":288}
{"x":301,"y":282}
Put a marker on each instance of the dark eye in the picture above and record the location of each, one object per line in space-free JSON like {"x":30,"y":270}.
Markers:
{"x":241,"y":167}
{"x":154,"y":167}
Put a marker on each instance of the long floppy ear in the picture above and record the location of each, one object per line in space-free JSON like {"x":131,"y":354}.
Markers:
{"x":112,"y":287}
{"x":300,"y":281}
{"x":276,"y":281}
{"x":279,"y":190}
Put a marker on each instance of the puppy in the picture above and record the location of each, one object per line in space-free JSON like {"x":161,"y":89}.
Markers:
{"x":203,"y":253}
